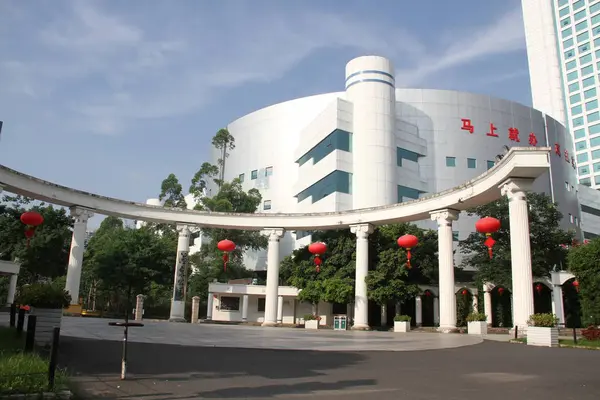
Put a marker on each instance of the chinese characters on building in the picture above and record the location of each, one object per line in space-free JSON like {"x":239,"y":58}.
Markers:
{"x":514,"y":135}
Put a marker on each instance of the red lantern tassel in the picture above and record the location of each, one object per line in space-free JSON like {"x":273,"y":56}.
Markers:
{"x":489,"y":242}
{"x":225,"y":260}
{"x":408,"y":257}
{"x":318,"y":263}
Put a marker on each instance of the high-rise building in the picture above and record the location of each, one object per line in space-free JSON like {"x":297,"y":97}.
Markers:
{"x":563,"y":50}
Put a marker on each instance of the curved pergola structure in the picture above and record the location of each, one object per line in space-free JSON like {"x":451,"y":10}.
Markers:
{"x":512,"y":176}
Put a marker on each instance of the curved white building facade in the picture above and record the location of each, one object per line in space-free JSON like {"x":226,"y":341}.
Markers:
{"x":374,"y":145}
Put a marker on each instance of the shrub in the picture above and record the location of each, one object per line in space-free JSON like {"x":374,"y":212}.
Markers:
{"x":402,"y":318}
{"x":591,"y":333}
{"x":547,"y":320}
{"x":476,"y":317}
{"x":44,"y":295}
{"x":312,"y":317}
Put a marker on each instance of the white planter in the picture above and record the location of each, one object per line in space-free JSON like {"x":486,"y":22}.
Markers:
{"x":402,"y":326}
{"x":477,"y":328}
{"x":540,"y":336}
{"x":311,"y":324}
{"x":47,"y":320}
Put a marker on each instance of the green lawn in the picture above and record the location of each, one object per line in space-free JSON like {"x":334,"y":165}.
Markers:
{"x":23,"y":373}
{"x":570,"y":343}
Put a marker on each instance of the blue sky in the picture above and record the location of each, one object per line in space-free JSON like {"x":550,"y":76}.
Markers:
{"x":112,"y":96}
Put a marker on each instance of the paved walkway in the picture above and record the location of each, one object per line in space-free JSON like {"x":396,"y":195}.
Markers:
{"x":210,"y":335}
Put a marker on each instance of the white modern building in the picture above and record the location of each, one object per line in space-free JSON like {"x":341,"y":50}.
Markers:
{"x":563,"y":50}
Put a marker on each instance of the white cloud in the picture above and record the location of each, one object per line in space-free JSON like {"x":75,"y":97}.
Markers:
{"x":106,"y":69}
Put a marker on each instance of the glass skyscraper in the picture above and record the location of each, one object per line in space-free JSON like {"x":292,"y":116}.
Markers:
{"x":563,"y":50}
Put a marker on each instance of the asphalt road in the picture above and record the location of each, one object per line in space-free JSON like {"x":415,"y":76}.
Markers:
{"x":490,"y":370}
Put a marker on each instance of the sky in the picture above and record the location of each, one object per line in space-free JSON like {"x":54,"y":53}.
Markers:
{"x":112,"y":96}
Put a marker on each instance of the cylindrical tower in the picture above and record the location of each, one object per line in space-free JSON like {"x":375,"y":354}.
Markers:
{"x":370,"y":86}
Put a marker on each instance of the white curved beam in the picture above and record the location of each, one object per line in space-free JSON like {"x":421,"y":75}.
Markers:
{"x":519,"y":162}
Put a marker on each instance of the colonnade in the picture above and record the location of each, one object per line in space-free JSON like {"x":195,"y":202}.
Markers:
{"x":514,"y":189}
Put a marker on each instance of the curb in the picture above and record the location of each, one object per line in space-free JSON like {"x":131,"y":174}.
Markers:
{"x":62,"y":395}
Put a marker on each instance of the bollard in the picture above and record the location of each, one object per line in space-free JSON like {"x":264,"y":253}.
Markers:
{"x":13,"y":314}
{"x":516,"y":332}
{"x":195,"y":309}
{"x":574,"y":335}
{"x":30,"y":336}
{"x":126,"y":325}
{"x":20,"y":321}
{"x":139,"y":307}
{"x":53,"y":358}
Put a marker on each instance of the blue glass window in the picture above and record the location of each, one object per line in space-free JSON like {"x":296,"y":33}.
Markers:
{"x":455,"y":236}
{"x":593,"y":117}
{"x":584,"y":47}
{"x":579,"y":133}
{"x":490,"y":164}
{"x":336,"y":140}
{"x":595,"y":19}
{"x":562,"y":2}
{"x":594,"y":129}
{"x":585,"y":59}
{"x":573,"y":87}
{"x":241,"y":177}
{"x":565,"y":22}
{"x":579,"y":15}
{"x":582,"y":158}
{"x":587,"y":70}
{"x":564,"y":11}
{"x":594,"y":8}
{"x":408,"y":193}
{"x":589,"y":93}
{"x":571,"y":64}
{"x":471,"y":163}
{"x":595,"y":154}
{"x":450,"y":161}
{"x":578,"y":4}
{"x":576,"y":98}
{"x":571,"y":76}
{"x":591,"y":105}
{"x":585,"y":181}
{"x":403,"y":154}
{"x":569,"y":54}
{"x":268,"y":171}
{"x":576,"y":110}
{"x":566,"y":32}
{"x":578,"y":121}
{"x":583,"y":37}
{"x":584,"y":170}
{"x":595,"y":141}
{"x":588,"y":81}
{"x":267,"y":205}
{"x":254,"y":174}
{"x":597,"y":167}
{"x":337,"y":181}
{"x":581,"y":145}
{"x":567,"y":43}
{"x":581,"y":26}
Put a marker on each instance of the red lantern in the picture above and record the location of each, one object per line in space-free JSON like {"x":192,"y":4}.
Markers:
{"x":408,"y":242}
{"x":576,"y":284}
{"x":488,"y":225}
{"x":427,"y":293}
{"x":500,"y":291}
{"x":464,"y":292}
{"x":539,"y":288}
{"x":318,"y":249}
{"x":32,"y":219}
{"x":226,"y":246}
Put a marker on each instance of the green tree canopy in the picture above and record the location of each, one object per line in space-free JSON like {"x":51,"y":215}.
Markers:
{"x":223,"y":141}
{"x":48,"y":253}
{"x":171,"y":193}
{"x":584,"y":263}
{"x":546,"y":240}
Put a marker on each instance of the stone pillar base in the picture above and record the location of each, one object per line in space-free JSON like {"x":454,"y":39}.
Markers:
{"x":177,"y":319}
{"x":269,"y":324}
{"x":360,"y":327}
{"x":447,"y":329}
{"x":74,"y":309}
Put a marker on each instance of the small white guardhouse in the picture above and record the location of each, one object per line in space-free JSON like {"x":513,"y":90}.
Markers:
{"x":11,"y":269}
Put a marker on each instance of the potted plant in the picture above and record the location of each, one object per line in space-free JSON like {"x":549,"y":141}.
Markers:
{"x":46,"y":302}
{"x":402,"y":323}
{"x":542,"y":330}
{"x":477,"y":324}
{"x":311,"y":321}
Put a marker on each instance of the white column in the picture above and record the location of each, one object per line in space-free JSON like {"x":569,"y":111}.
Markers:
{"x":487,"y":303}
{"x":245,"y":308}
{"x":81,"y":217}
{"x":183,"y":250}
{"x":209,"y":306}
{"x":475,"y":303}
{"x":557,"y":303}
{"x":520,"y":250}
{"x":272,"y":276}
{"x":436,"y":310}
{"x":139,"y":307}
{"x":279,"y":309}
{"x":447,"y":296}
{"x":12,"y":289}
{"x":418,"y":311}
{"x":361,"y":304}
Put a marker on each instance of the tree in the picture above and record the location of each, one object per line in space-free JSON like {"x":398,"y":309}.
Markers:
{"x":48,"y":253}
{"x":201,"y":179}
{"x":547,"y":241}
{"x":171,"y":192}
{"x":223,"y":141}
{"x":584,"y":263}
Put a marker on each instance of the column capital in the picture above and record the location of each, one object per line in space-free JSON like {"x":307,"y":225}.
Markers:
{"x":516,"y":188}
{"x":183,"y":230}
{"x":274,"y":234}
{"x":445,"y":216}
{"x":81,"y":215}
{"x":362,"y":231}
